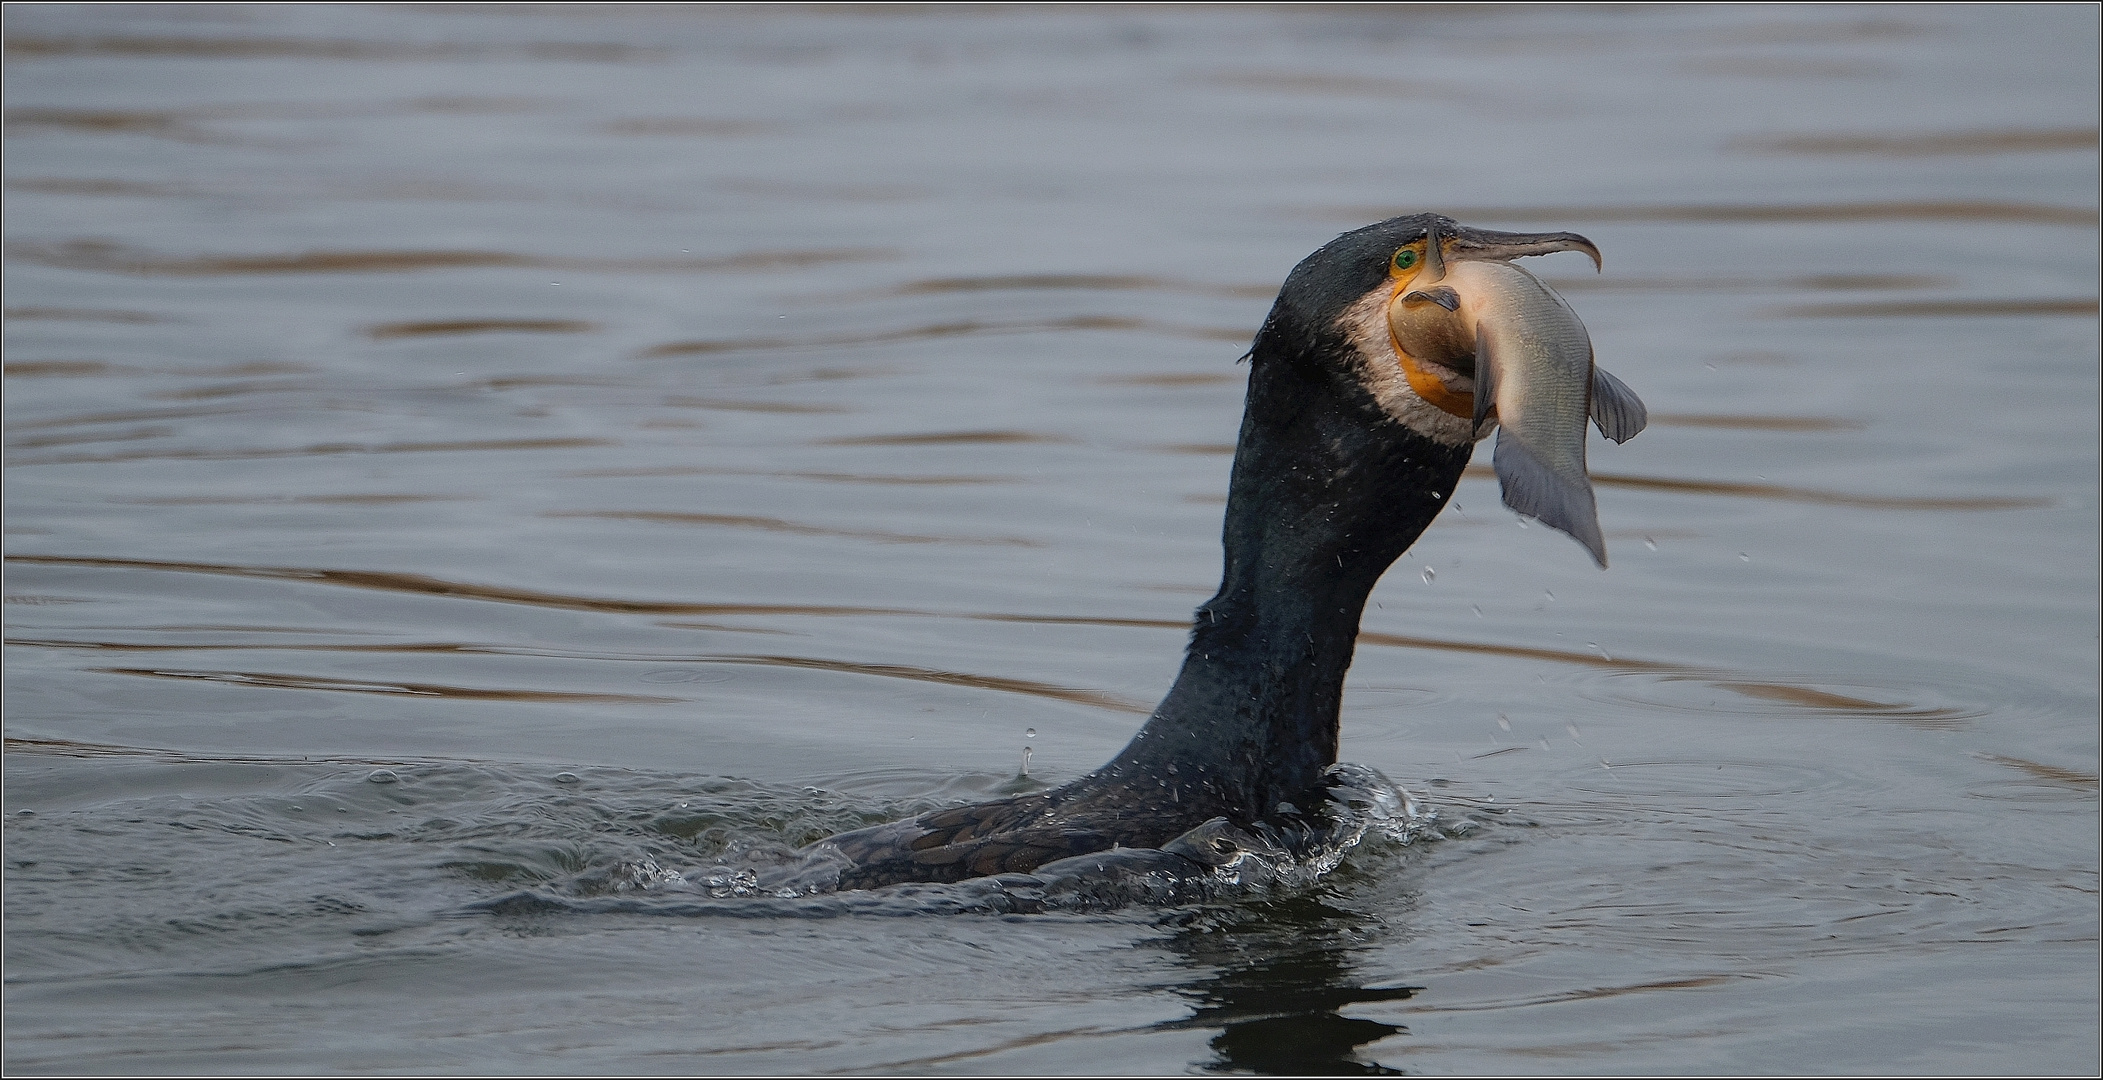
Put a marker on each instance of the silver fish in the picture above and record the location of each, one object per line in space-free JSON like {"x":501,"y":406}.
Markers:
{"x":1532,"y":363}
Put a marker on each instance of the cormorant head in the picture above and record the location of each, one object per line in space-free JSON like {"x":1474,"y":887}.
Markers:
{"x":1379,"y":288}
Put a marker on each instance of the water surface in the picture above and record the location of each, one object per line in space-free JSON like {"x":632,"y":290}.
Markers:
{"x":467,"y":454}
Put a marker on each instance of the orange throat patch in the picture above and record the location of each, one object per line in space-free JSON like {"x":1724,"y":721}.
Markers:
{"x":1429,"y":386}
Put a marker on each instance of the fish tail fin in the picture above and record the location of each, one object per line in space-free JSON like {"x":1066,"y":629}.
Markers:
{"x":1559,"y":502}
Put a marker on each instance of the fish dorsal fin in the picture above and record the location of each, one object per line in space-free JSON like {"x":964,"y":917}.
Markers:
{"x":1615,"y":408}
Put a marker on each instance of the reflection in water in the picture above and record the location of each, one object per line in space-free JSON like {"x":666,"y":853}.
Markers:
{"x":768,"y":524}
{"x":947,"y":330}
{"x":1752,"y":423}
{"x":1276,"y":975}
{"x":322,"y":449}
{"x":26,"y":47}
{"x":1090,"y":282}
{"x":1724,"y":213}
{"x":2007,"y":141}
{"x":316,"y":682}
{"x":480,"y":326}
{"x":2080,"y":306}
{"x":97,"y":255}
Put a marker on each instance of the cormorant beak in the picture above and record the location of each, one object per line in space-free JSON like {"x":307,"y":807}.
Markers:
{"x":1466,"y":243}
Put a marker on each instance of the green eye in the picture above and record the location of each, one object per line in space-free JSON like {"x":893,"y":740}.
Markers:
{"x":1405,"y":258}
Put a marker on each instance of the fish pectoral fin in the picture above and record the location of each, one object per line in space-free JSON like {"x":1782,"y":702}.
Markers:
{"x":1485,"y":377}
{"x":1615,"y":408}
{"x":1443,"y":296}
{"x":1558,"y":501}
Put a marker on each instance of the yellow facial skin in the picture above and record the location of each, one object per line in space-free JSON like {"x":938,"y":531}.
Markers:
{"x":1429,"y":341}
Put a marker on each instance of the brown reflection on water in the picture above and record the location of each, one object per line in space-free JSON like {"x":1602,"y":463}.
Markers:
{"x":1797,"y":494}
{"x":1726,"y":213}
{"x":321,"y":449}
{"x":1738,"y":422}
{"x":2085,"y":307}
{"x":1560,"y":656}
{"x":945,"y":438}
{"x":72,"y":748}
{"x":2049,"y":773}
{"x":265,"y":500}
{"x":1095,"y":282}
{"x":724,"y":404}
{"x":945,"y":330}
{"x":823,"y":477}
{"x":685,"y":127}
{"x":108,"y":315}
{"x":1173,"y":379}
{"x":2002,"y":141}
{"x":104,"y":257}
{"x":420,"y":584}
{"x":1807,"y":283}
{"x":383,"y":331}
{"x":1769,"y":690}
{"x":350,"y":686}
{"x":1329,"y":84}
{"x":1095,"y":698}
{"x":769,"y":524}
{"x":1698,"y":982}
{"x":252,"y":48}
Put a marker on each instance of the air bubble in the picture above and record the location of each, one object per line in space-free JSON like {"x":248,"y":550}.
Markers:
{"x":1429,"y":574}
{"x":1743,"y":557}
{"x":1649,"y":543}
{"x":1549,"y":593}
{"x":1029,"y":733}
{"x":381,"y":776}
{"x":1504,"y":722}
{"x":566,"y":778}
{"x":1478,"y":610}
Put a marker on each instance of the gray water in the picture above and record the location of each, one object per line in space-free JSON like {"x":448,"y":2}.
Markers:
{"x":463,"y":456}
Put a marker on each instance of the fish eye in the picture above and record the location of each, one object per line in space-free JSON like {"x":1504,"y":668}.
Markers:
{"x":1405,"y":258}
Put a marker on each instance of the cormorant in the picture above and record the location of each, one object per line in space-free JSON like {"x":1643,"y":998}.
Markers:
{"x":1361,"y":413}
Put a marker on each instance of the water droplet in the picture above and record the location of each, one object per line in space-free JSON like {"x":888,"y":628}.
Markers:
{"x":1649,"y":543}
{"x":1478,"y":610}
{"x":1549,"y":593}
{"x":296,"y":809}
{"x":566,"y":778}
{"x":1504,"y":722}
{"x":25,"y":813}
{"x":343,"y":810}
{"x":1522,"y":523}
{"x":382,"y":776}
{"x":1029,"y":733}
{"x":1429,"y":574}
{"x":1026,"y":761}
{"x":1743,"y":557}
{"x":1572,"y":729}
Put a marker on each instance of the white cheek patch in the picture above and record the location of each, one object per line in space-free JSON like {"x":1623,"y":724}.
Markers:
{"x":1380,"y":372}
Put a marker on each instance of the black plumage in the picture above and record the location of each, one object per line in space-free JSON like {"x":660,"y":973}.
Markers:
{"x":1328,"y":489}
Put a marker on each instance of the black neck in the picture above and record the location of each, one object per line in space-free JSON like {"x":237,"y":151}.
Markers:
{"x":1327,"y":492}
